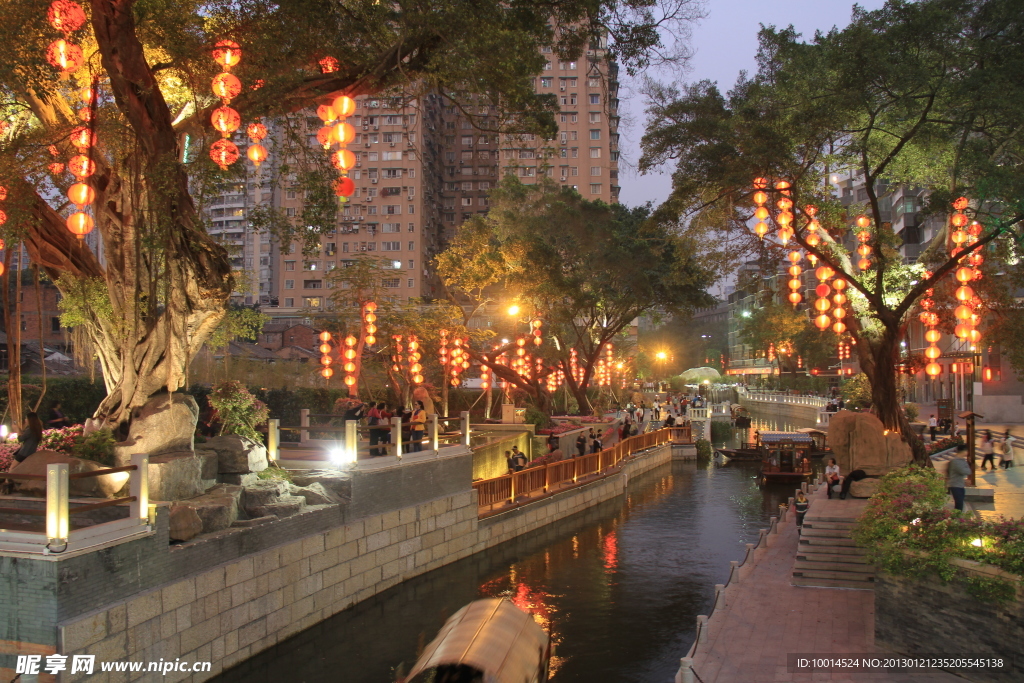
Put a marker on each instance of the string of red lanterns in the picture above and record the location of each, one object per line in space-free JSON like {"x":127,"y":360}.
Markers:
{"x":325,"y":355}
{"x":67,"y":17}
{"x":968,"y":311}
{"x":930,"y":319}
{"x":350,"y":360}
{"x":415,"y":369}
{"x":535,"y":326}
{"x":370,"y":322}
{"x":337,"y":131}
{"x":863,"y":236}
{"x":3,"y":219}
{"x":225,"y":119}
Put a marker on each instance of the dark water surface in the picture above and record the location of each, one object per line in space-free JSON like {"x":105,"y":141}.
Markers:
{"x":618,"y":587}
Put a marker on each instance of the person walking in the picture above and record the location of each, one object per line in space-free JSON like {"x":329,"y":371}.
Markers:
{"x":624,"y":431}
{"x":30,"y":436}
{"x":418,"y":425}
{"x":581,"y":445}
{"x":510,"y":461}
{"x":57,"y":417}
{"x":519,"y":460}
{"x":631,"y":409}
{"x":832,"y":477}
{"x":933,"y":426}
{"x":988,"y":450}
{"x":802,"y":505}
{"x":956,"y":477}
{"x":1008,"y":441}
{"x":595,"y":445}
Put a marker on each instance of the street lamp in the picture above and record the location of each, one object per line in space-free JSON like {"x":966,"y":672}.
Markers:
{"x":661,"y":355}
{"x":513,"y":310}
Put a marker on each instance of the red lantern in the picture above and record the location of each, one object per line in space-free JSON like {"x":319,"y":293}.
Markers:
{"x":66,"y":16}
{"x":823,"y":322}
{"x":81,"y":138}
{"x":863,"y":221}
{"x":257,"y":154}
{"x":81,"y":194}
{"x":3,"y":193}
{"x":80,"y":224}
{"x":344,"y":187}
{"x":226,"y":86}
{"x":3,"y":219}
{"x":328,"y":65}
{"x":839,"y":327}
{"x":224,"y":153}
{"x":933,"y":369}
{"x":344,"y":106}
{"x":226,"y":120}
{"x":227,"y":53}
{"x":343,"y":159}
{"x":344,"y":133}
{"x":81,"y":166}
{"x":256,"y":131}
{"x":326,"y":113}
{"x":327,"y":373}
{"x":65,"y":56}
{"x":56,"y":168}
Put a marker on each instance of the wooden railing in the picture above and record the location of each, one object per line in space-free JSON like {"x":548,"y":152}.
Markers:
{"x":545,"y":478}
{"x":57,"y":533}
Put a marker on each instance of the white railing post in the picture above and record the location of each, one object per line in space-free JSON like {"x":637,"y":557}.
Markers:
{"x":734,"y":571}
{"x":304,"y":422}
{"x":352,"y":440}
{"x":435,"y":444}
{"x":465,"y":428}
{"x":58,"y":523}
{"x":274,"y":439}
{"x":138,"y":487}
{"x":396,"y":436}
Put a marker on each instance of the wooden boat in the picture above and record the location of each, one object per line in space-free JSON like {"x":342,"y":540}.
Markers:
{"x":786,"y":457}
{"x":820,"y":449}
{"x":490,"y":641}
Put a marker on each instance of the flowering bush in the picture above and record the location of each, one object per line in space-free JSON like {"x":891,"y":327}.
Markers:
{"x":943,"y":444}
{"x":61,"y":440}
{"x":7,"y":451}
{"x":238,"y":411}
{"x":907,"y":529}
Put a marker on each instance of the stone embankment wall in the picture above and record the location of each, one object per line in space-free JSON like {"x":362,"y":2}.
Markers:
{"x":781,"y":411}
{"x":240,"y":593}
{"x":923,"y":616}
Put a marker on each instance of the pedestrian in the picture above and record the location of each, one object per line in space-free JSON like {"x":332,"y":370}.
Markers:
{"x":988,"y":450}
{"x":624,"y":431}
{"x":29,"y":436}
{"x":1008,"y":442}
{"x":631,"y":409}
{"x":956,"y":478}
{"x":519,"y":460}
{"x":640,"y":414}
{"x":57,"y":418}
{"x":595,"y":445}
{"x":802,"y":505}
{"x":581,"y":445}
{"x":385,"y":426}
{"x":552,"y":442}
{"x":417,"y":425}
{"x":373,"y":422}
{"x":510,"y":461}
{"x":832,"y":477}
{"x":933,"y":426}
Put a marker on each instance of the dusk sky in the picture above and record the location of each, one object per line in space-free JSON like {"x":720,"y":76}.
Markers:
{"x":725,"y":43}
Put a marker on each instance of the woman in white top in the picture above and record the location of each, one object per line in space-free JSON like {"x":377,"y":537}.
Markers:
{"x":1008,"y":442}
{"x":831,"y":476}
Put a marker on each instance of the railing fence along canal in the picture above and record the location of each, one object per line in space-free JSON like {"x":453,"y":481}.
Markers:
{"x":686,"y":674}
{"x":544,"y":479}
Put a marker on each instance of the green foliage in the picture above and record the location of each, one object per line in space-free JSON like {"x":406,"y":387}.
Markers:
{"x":704,"y":449}
{"x":239,"y":411}
{"x":536,"y":417}
{"x":721,"y":432}
{"x":97,"y":446}
{"x":242,"y":323}
{"x":907,"y":529}
{"x":990,"y":588}
{"x":78,"y":396}
{"x":83,"y":301}
{"x":912,"y":410}
{"x":856,"y":391}
{"x":274,"y":473}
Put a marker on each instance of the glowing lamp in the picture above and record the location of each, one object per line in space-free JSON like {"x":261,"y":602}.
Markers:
{"x":80,"y":224}
{"x":224,"y":153}
{"x":344,"y":133}
{"x":325,"y":360}
{"x":343,"y":106}
{"x":371,"y":329}
{"x":350,"y":367}
{"x":839,"y":327}
{"x":962,"y":331}
{"x":839,"y":285}
{"x":256,"y":131}
{"x":325,"y":136}
{"x":959,"y":237}
{"x":795,"y":298}
{"x":372,"y":318}
{"x":864,"y":250}
{"x":350,"y":380}
{"x":85,"y":115}
{"x":81,"y":166}
{"x":760,"y":213}
{"x":56,"y":168}
{"x":372,"y":306}
{"x":371,"y":340}
{"x":327,"y":373}
{"x":66,"y":16}
{"x":3,"y":219}
{"x":824,"y":273}
{"x":863,"y":236}
{"x":257,"y":154}
{"x":350,"y":354}
{"x":795,"y":284}
{"x":932,"y":336}
{"x":784,"y":218}
{"x":958,"y":220}
{"x":65,"y":56}
{"x":795,"y":270}
{"x":822,"y":290}
{"x":974,"y":335}
{"x":326,"y":113}
{"x":343,"y":159}
{"x":863,"y":221}
{"x":785,"y":234}
{"x":328,"y":65}
{"x":813,"y":240}
{"x":761,"y":229}
{"x":793,"y":256}
{"x":782,"y":185}
{"x":838,"y":313}
{"x":933,"y":369}
{"x":839,"y":299}
{"x":822,"y":305}
{"x":325,"y":336}
{"x":226,"y":86}
{"x":930,"y":319}
{"x":227,"y":53}
{"x":962,"y":312}
{"x":344,"y":187}
{"x":226,"y":120}
{"x":932,"y":352}
{"x":760,"y":183}
{"x":784,"y":204}
{"x":760,"y":197}
{"x":325,"y":348}
{"x":81,"y":137}
{"x":988,"y":374}
{"x":864,"y":264}
{"x":81,"y":194}
{"x":974,"y":229}
{"x":3,"y":193}
{"x":964,"y":293}
{"x":823,"y":322}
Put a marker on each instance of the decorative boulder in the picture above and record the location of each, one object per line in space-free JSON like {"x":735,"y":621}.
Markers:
{"x":315,"y":494}
{"x":860,"y":442}
{"x":218,"y":507}
{"x":103,"y":486}
{"x":865,"y":488}
{"x":337,"y":484}
{"x":166,"y":424}
{"x":175,"y":476}
{"x":237,"y":454}
{"x":185,"y":523}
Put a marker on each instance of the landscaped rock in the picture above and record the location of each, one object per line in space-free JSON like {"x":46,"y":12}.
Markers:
{"x":237,"y":454}
{"x":218,"y":507}
{"x":315,"y":494}
{"x":860,"y":442}
{"x":175,"y":476}
{"x":338,"y":484}
{"x":166,"y":424}
{"x":865,"y":488}
{"x":271,"y":497}
{"x":185,"y":523}
{"x":211,"y":462}
{"x":102,"y":486}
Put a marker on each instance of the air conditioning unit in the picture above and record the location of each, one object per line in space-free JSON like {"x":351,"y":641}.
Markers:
{"x":366,"y":126}
{"x":376,"y":127}
{"x":367,"y":145}
{"x":392,"y":144}
{"x":374,"y":181}
{"x":562,"y":88}
{"x":564,"y":178}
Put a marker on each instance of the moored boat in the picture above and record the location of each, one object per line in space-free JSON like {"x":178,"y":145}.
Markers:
{"x":786,"y":457}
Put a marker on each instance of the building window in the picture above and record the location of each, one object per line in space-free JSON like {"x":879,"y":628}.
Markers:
{"x":311,"y":265}
{"x":595,"y":188}
{"x":595,"y":152}
{"x":574,"y":170}
{"x":412,"y":283}
{"x":412,"y":227}
{"x":545,"y":82}
{"x":391,"y":246}
{"x":289,"y":284}
{"x":290,"y":194}
{"x":391,"y":227}
{"x":289,"y":265}
{"x":595,"y":98}
{"x":412,"y":245}
{"x":344,"y":247}
{"x":289,"y":303}
{"x":312,"y":284}
{"x":595,"y":117}
{"x":411,"y":264}
{"x":290,"y":212}
{"x":595,"y":134}
{"x":55,"y":322}
{"x":391,"y":282}
{"x":595,"y":170}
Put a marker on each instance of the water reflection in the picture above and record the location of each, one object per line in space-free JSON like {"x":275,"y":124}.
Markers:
{"x":618,"y":587}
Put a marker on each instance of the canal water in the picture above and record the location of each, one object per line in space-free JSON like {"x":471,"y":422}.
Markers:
{"x":618,"y":587}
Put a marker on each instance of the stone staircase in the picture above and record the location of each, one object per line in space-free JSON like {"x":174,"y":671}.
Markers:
{"x":827,"y":557}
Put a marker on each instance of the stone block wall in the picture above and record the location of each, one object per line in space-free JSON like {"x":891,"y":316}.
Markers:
{"x":926,"y":616}
{"x":275,"y":581}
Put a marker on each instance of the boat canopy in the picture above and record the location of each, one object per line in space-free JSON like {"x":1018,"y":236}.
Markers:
{"x":778,"y":437}
{"x":493,"y":637}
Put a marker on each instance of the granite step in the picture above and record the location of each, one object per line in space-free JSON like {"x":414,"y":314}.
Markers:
{"x":826,"y":541}
{"x":814,"y":532}
{"x":804,"y":567}
{"x":826,"y":556}
{"x":832,"y":583}
{"x":820,"y":524}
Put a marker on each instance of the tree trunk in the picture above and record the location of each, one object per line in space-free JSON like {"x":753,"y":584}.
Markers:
{"x":13,"y":350}
{"x":39,"y":319}
{"x":879,"y":359}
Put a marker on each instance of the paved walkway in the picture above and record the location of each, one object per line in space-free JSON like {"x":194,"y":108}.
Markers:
{"x":764,"y":619}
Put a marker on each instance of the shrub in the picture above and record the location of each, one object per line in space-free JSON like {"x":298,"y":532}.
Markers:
{"x":912,"y":410}
{"x":907,"y":529}
{"x":720,"y":431}
{"x":536,"y":417}
{"x":7,"y":451}
{"x":97,"y":446}
{"x":238,"y":411}
{"x":61,"y":440}
{"x":704,"y":449}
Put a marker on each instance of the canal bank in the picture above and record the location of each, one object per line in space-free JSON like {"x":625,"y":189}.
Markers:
{"x":618,"y":585}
